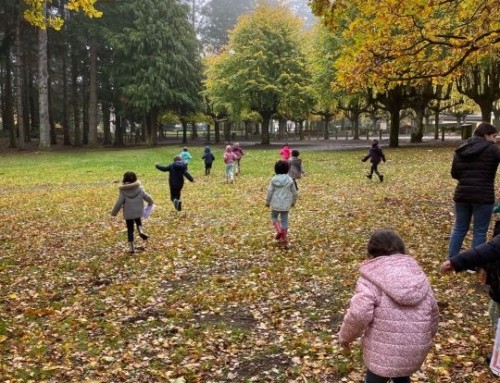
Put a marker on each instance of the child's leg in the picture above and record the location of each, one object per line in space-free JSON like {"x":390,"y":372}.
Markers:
{"x":374,"y":378}
{"x":130,"y":229}
{"x":140,"y":229}
{"x":274,"y":218}
{"x":374,"y":169}
{"x":284,"y":219}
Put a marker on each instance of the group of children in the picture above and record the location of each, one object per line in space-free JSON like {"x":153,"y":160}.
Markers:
{"x":393,"y":309}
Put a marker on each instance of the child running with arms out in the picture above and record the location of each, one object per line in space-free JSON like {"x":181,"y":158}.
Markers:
{"x":376,"y":155}
{"x":177,"y":170}
{"x":393,"y":311}
{"x":281,"y":197}
{"x":130,"y":199}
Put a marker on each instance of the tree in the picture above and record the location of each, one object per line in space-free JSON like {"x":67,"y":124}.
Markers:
{"x":219,"y":17}
{"x":156,"y":63}
{"x":415,"y":39}
{"x":481,"y":83}
{"x":36,"y":14}
{"x":264,"y":62}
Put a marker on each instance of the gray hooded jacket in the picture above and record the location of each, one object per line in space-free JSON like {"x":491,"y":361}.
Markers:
{"x":131,"y":198}
{"x":281,"y":193}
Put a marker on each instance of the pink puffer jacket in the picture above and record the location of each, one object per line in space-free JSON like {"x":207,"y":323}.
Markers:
{"x":395,"y":312}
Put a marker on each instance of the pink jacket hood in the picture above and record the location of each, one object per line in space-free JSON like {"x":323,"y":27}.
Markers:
{"x":406,"y":284}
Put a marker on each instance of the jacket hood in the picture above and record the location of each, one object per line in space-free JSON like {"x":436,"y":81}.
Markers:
{"x":131,"y":190}
{"x":474,"y":146}
{"x":281,"y":180}
{"x":179,"y":165}
{"x":399,"y":276}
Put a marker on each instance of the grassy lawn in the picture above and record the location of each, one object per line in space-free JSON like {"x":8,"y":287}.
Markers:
{"x":211,"y":298}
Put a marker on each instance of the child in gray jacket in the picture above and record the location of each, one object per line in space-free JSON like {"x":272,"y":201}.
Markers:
{"x":130,"y":198}
{"x":281,"y":196}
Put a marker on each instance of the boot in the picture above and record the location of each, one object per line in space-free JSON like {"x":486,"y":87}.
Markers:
{"x":369,"y":176}
{"x":142,"y":234}
{"x":176,"y":204}
{"x":179,"y":205}
{"x":284,"y":237}
{"x":279,"y":231}
{"x":131,"y":249}
{"x":381,"y":177}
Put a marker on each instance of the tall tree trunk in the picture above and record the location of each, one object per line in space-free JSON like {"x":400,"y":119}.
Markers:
{"x":266,"y":119}
{"x":85,"y":108}
{"x":29,"y":114}
{"x":19,"y":88}
{"x":93,"y":95}
{"x":65,"y":118}
{"x":75,"y":98}
{"x":53,"y":132}
{"x":106,"y":116}
{"x":118,"y":131}
{"x":217,"y":130}
{"x":8,"y":100}
{"x":43,"y":89}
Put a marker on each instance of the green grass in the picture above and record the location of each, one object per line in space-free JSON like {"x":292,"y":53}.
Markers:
{"x":212,"y":297}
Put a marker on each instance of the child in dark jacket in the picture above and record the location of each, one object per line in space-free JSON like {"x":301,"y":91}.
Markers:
{"x":209,"y":158}
{"x":296,"y":169}
{"x":375,"y":155}
{"x":130,"y":199}
{"x":487,"y":256}
{"x":178,"y":170}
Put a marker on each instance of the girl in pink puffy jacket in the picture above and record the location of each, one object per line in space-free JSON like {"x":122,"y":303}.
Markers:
{"x":393,"y":311}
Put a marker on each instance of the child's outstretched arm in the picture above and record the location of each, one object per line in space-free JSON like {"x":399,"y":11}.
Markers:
{"x":163,"y":168}
{"x":475,"y":257}
{"x":188,"y":176}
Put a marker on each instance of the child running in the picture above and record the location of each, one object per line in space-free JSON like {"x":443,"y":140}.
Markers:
{"x":130,"y":199}
{"x":285,"y":152}
{"x":186,"y":156}
{"x":376,"y":155}
{"x":281,"y":196}
{"x":229,"y":160}
{"x":296,"y":169}
{"x":209,"y":158}
{"x":238,"y":152}
{"x":393,"y":311}
{"x":178,"y":170}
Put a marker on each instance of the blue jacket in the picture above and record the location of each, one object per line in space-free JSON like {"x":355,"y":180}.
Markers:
{"x":178,"y":170}
{"x":208,"y":156}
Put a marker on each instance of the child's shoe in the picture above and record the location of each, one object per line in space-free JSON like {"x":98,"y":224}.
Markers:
{"x":131,"y":248}
{"x":369,"y":176}
{"x":284,"y":238}
{"x":381,"y":177}
{"x":179,"y":205}
{"x":142,"y":234}
{"x":176,"y":204}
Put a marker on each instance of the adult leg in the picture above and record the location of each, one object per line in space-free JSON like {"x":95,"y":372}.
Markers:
{"x":463,"y":216}
{"x":481,"y":222}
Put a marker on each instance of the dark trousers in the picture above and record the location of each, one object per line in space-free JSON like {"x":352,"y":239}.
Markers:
{"x":374,"y":378}
{"x":130,"y":227}
{"x":175,"y":192}
{"x":374,"y":169}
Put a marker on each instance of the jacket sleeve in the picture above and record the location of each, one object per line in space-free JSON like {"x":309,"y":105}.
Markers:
{"x":382,"y":155}
{"x":360,"y":312}
{"x":269,"y":196}
{"x":188,"y":176}
{"x":118,"y":205}
{"x":478,"y":256}
{"x":454,"y":171}
{"x":294,"y":193}
{"x":148,"y":198}
{"x":163,"y":168}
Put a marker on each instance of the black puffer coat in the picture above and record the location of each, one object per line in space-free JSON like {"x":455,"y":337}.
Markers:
{"x":475,"y":166}
{"x":487,"y":256}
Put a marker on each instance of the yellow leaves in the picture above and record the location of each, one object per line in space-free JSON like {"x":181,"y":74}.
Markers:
{"x":35,"y":13}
